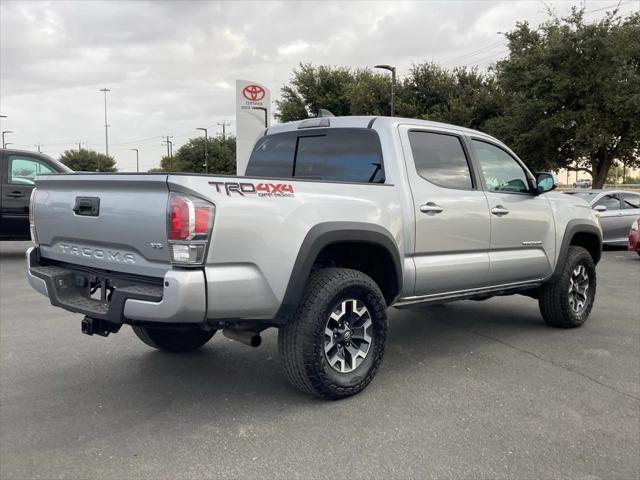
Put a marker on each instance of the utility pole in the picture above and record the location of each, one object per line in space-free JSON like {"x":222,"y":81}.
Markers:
{"x":79,"y":146}
{"x":137,"y":163}
{"x":206,"y":148}
{"x":4,"y":145}
{"x":106,"y":125}
{"x":392,"y":69}
{"x":224,"y":130}
{"x":38,"y":145}
{"x":169,"y":150}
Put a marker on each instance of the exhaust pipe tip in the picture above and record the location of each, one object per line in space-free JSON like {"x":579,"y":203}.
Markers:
{"x":251,"y":339}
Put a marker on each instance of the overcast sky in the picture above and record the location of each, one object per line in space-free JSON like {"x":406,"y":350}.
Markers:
{"x":171,"y":66}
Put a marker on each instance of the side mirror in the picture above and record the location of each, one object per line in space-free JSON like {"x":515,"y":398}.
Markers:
{"x":600,"y":208}
{"x":545,"y":182}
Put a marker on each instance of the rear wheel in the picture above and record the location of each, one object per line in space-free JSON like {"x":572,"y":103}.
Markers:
{"x":333,"y":346}
{"x":173,"y":340}
{"x":567,"y":301}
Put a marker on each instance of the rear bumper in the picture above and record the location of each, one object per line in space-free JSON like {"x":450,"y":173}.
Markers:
{"x":179,"y":298}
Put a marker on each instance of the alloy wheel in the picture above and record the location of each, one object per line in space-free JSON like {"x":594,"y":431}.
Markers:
{"x":578,"y":289}
{"x":348,"y":336}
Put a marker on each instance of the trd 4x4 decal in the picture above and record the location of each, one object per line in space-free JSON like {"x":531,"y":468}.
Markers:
{"x":260,"y":189}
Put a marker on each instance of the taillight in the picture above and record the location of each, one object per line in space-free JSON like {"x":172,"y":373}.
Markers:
{"x":32,"y":217}
{"x":189,"y":223}
{"x":179,"y":218}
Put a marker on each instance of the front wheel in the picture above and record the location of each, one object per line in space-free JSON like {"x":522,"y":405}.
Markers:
{"x":172,"y":339}
{"x":567,"y":301}
{"x":333,"y":346}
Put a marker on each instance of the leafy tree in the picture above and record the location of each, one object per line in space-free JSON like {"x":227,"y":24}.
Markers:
{"x":84,"y":160}
{"x":462,"y":96}
{"x":190,"y":157}
{"x":340,"y":90}
{"x":572,"y":93}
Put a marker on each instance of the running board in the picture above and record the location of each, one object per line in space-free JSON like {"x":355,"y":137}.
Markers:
{"x":467,"y":294}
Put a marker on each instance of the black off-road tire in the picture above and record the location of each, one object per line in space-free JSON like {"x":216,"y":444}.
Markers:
{"x":554,"y":296}
{"x":301,"y":341}
{"x":173,"y":340}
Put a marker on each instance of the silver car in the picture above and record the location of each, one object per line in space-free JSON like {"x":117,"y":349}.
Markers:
{"x":618,"y":209}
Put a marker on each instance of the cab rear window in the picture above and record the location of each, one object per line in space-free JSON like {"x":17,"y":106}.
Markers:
{"x":335,"y":154}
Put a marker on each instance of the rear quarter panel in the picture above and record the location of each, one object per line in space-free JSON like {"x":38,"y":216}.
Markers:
{"x":256,"y":238}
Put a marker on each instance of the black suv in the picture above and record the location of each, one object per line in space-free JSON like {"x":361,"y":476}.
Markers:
{"x":18,"y":169}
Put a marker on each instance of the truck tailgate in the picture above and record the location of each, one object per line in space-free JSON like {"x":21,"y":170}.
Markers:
{"x":107,"y":221}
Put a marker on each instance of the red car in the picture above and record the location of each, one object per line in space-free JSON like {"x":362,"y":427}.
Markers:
{"x":634,"y":237}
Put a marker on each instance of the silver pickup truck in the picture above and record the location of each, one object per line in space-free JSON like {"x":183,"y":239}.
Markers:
{"x":335,"y":220}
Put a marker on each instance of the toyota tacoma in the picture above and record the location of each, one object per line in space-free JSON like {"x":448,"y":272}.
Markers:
{"x":334,"y":220}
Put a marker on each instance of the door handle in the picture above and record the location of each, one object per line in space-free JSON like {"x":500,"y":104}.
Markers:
{"x":15,"y":194}
{"x":431,"y":208}
{"x":499,"y":210}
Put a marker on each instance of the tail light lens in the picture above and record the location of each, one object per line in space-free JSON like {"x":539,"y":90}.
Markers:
{"x":189,"y":223}
{"x":32,"y":217}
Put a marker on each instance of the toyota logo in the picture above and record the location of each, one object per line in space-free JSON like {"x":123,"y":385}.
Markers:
{"x":253,"y":92}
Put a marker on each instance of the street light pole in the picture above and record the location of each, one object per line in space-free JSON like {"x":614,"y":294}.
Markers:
{"x":392,"y":69}
{"x":137,"y":164}
{"x":106,"y":125}
{"x":4,"y":145}
{"x":206,"y":148}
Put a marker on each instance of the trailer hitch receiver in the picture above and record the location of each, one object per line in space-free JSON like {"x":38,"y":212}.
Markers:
{"x":94,"y":326}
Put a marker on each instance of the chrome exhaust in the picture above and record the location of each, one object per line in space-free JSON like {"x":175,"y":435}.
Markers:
{"x":251,"y":339}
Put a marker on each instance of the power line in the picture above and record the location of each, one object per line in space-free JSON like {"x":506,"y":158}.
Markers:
{"x":617,"y":5}
{"x":493,"y":55}
{"x":473,"y":53}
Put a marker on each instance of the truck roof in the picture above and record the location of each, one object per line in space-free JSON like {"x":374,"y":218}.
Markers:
{"x":368,"y":121}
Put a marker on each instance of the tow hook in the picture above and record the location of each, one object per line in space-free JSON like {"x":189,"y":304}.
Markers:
{"x":93,"y":326}
{"x":251,"y":339}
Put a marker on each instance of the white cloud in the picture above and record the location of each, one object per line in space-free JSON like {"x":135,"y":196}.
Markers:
{"x":171,"y":66}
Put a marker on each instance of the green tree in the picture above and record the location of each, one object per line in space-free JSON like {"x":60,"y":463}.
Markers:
{"x":573,"y":93}
{"x":85,"y":160}
{"x":190,"y":156}
{"x":463,"y":96}
{"x":340,"y":90}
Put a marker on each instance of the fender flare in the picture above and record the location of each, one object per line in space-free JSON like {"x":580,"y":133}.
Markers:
{"x":323,"y":235}
{"x":573,"y":227}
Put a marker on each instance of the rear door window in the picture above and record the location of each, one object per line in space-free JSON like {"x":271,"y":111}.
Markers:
{"x":630,"y":201}
{"x":336,"y":154}
{"x":440,"y":159}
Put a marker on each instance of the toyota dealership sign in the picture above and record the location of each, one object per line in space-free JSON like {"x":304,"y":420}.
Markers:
{"x":253,"y":92}
{"x":253,"y":114}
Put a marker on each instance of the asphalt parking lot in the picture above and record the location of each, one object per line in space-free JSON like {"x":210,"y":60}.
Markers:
{"x":466,"y":390}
